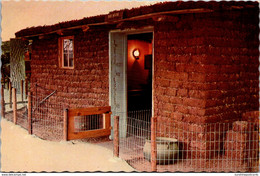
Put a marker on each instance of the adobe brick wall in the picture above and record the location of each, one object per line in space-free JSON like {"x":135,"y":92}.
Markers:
{"x":205,"y":72}
{"x":206,"y":69}
{"x":242,"y":143}
{"x":85,"y":85}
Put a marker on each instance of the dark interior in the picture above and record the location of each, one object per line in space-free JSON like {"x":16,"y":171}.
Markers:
{"x":139,"y":77}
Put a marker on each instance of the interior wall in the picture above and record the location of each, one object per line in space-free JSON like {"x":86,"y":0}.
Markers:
{"x":137,"y":74}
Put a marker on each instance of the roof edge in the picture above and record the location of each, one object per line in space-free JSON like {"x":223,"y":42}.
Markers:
{"x":143,"y":12}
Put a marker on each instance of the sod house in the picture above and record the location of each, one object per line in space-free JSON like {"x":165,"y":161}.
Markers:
{"x":190,"y":63}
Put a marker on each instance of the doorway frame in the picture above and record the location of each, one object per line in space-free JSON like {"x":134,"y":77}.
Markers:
{"x":124,"y":33}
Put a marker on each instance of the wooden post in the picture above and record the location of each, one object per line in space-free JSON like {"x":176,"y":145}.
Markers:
{"x":14,"y":105}
{"x":65,"y":124}
{"x":153,"y":144}
{"x":21,"y":89}
{"x":4,"y":79}
{"x":106,"y":120}
{"x":3,"y":102}
{"x":10,"y":94}
{"x":116,"y":136}
{"x":29,"y":113}
{"x":26,"y":88}
{"x":8,"y":83}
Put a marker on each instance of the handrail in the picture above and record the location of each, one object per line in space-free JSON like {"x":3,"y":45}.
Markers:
{"x":43,"y":100}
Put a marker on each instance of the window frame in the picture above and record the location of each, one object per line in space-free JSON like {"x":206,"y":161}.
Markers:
{"x":61,"y":54}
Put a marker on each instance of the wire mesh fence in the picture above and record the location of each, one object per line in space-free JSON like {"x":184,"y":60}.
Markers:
{"x":21,"y":108}
{"x":22,"y":114}
{"x":131,"y":147}
{"x":183,"y":147}
{"x":47,"y":117}
{"x":143,"y":115}
{"x":46,"y":113}
{"x":16,"y":84}
{"x":88,"y":122}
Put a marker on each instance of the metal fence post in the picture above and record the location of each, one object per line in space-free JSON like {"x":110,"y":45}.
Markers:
{"x":153,"y":144}
{"x":65,"y":124}
{"x":116,"y":136}
{"x":29,"y":113}
{"x":2,"y":102}
{"x":14,"y":105}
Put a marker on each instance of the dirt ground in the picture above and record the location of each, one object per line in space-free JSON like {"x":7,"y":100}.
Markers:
{"x":22,"y":152}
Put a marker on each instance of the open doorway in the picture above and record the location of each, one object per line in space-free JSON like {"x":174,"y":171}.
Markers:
{"x":139,"y":76}
{"x":130,"y":78}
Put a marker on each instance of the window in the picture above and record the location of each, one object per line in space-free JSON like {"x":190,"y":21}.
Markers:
{"x":66,"y":52}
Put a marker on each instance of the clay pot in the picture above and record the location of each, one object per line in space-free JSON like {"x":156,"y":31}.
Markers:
{"x":167,"y":150}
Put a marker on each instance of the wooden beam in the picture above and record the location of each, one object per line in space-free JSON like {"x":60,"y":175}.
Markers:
{"x":29,"y":113}
{"x":26,"y":87}
{"x":88,"y":111}
{"x":140,"y":17}
{"x":236,"y":7}
{"x":153,"y":144}
{"x":89,"y":134}
{"x":116,"y":136}
{"x":60,"y":32}
{"x":65,"y":124}
{"x":23,"y":38}
{"x":8,"y":83}
{"x":4,"y":79}
{"x":10,"y":94}
{"x":166,"y":18}
{"x":106,"y":120}
{"x":41,"y":36}
{"x":85,"y":28}
{"x":21,"y":89}
{"x":2,"y":102}
{"x":185,"y":11}
{"x":14,"y":106}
